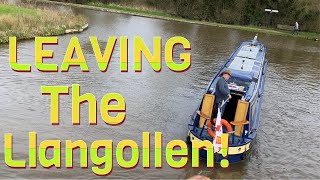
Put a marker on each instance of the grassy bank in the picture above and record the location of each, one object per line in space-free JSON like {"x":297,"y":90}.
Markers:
{"x":163,"y":15}
{"x":29,"y":22}
{"x":152,"y":13}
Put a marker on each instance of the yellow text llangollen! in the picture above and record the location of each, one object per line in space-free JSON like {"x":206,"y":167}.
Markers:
{"x":103,"y":164}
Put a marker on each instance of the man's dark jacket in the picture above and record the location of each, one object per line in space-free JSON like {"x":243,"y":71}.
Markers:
{"x":222,"y":91}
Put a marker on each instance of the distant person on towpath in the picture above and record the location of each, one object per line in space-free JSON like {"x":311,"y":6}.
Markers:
{"x":296,"y":28}
{"x":222,"y":92}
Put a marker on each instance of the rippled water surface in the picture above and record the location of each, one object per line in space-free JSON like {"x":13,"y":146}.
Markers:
{"x":288,"y":142}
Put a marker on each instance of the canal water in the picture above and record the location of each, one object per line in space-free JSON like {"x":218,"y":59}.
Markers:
{"x":288,"y":141}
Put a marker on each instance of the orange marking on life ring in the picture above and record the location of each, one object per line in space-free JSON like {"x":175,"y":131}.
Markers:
{"x":223,"y":122}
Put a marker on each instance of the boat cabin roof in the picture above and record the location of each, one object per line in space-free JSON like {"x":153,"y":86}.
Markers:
{"x":246,"y":65}
{"x":247,"y":61}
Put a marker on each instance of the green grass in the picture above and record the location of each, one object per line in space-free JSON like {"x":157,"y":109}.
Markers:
{"x":308,"y":35}
{"x":15,"y":10}
{"x":130,"y":9}
{"x":29,"y":22}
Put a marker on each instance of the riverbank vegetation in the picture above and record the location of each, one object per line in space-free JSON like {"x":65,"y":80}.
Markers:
{"x":26,"y":22}
{"x":239,"y":14}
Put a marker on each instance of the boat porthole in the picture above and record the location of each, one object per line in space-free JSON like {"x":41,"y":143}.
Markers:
{"x":192,"y":138}
{"x":239,"y":149}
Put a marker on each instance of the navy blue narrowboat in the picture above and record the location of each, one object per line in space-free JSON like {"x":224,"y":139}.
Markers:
{"x":248,"y":65}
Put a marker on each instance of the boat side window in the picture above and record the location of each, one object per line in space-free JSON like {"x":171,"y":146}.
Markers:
{"x":255,"y":80}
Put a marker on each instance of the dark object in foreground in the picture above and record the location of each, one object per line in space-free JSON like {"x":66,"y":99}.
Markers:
{"x":198,"y":177}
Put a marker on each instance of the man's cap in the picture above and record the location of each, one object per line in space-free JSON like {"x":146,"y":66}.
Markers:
{"x":226,"y":72}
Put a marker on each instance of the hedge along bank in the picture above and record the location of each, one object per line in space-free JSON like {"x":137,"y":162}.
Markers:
{"x":74,"y":47}
{"x":176,"y":152}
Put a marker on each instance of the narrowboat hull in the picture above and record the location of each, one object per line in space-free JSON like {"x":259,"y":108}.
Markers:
{"x":236,"y":153}
{"x":248,"y":66}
